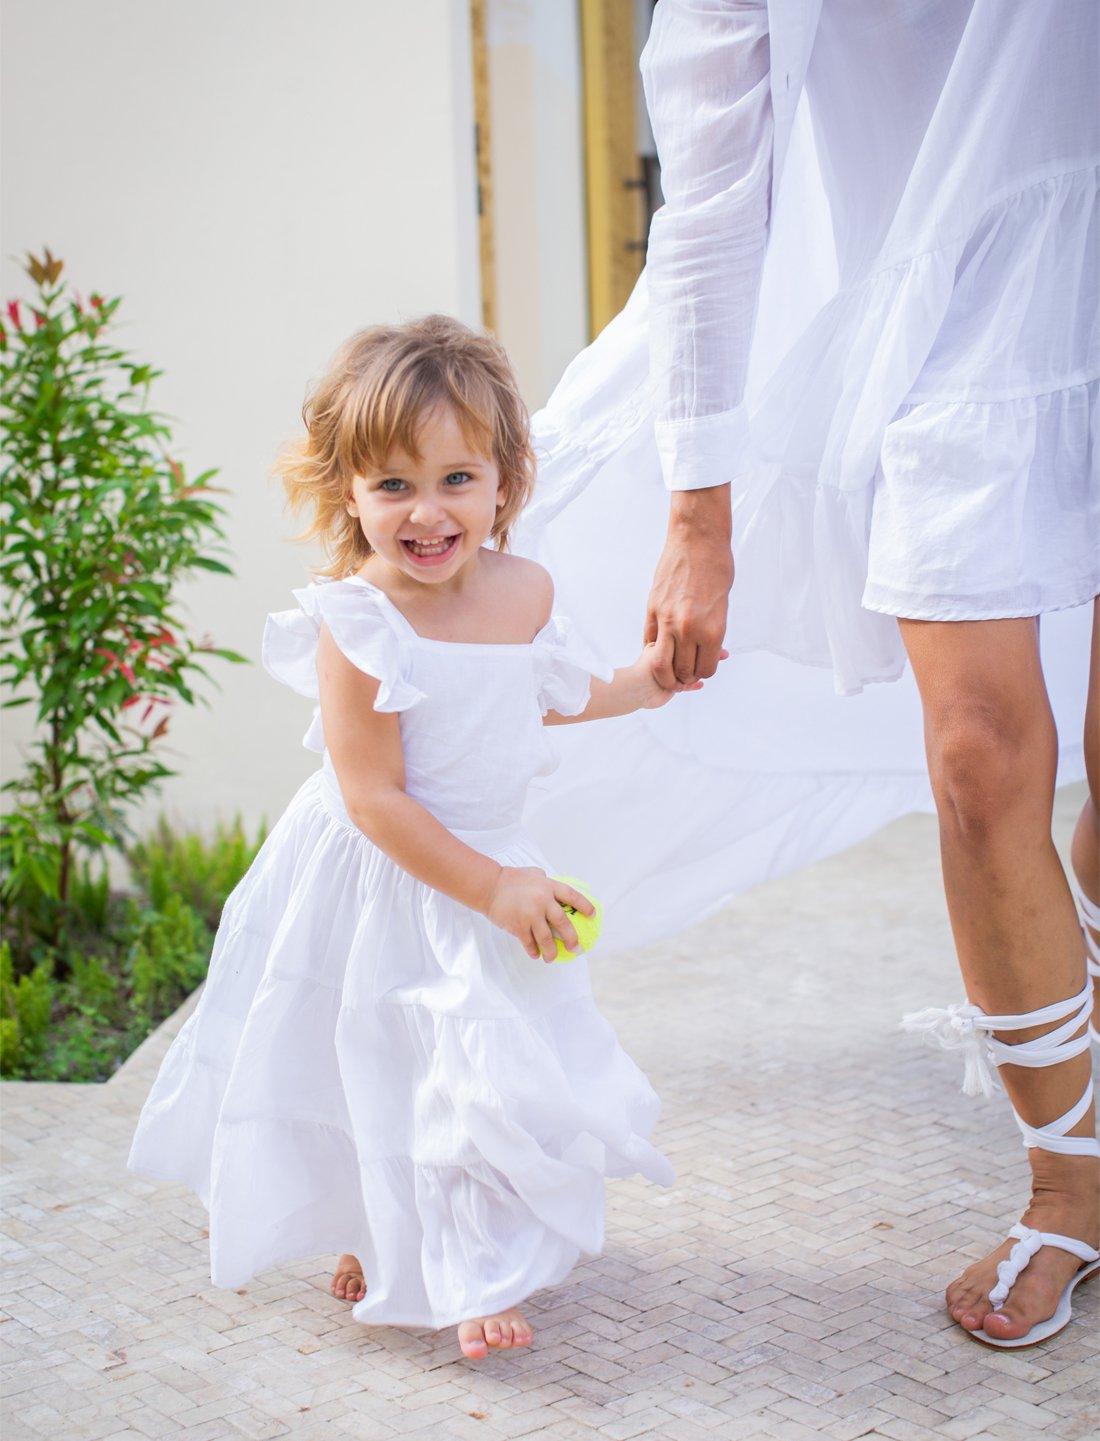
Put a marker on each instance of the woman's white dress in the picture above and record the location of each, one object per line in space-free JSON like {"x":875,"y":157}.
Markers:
{"x":872,"y":305}
{"x":372,"y":1067}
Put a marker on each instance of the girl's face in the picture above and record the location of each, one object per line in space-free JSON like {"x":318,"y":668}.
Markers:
{"x":429,"y":517}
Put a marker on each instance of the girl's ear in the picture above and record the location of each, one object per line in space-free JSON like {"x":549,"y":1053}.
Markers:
{"x":502,"y":495}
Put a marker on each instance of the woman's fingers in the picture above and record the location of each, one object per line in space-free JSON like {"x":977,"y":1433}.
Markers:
{"x":707,"y":662}
{"x":562,"y":926}
{"x":685,"y":665}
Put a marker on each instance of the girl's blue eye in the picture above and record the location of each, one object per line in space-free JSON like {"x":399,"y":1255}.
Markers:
{"x":458,"y":475}
{"x":392,"y":484}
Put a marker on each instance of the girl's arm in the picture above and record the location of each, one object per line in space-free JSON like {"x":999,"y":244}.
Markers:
{"x":365,"y":746}
{"x":633,"y":687}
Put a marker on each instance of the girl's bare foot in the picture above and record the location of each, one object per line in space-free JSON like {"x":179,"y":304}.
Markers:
{"x":348,"y":1281}
{"x":502,"y":1331}
{"x":1066,"y":1200}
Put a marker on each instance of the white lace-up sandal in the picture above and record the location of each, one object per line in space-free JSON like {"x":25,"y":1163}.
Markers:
{"x":1089,"y":913}
{"x":969,"y":1029}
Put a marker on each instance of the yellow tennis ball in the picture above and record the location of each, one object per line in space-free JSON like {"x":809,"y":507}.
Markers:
{"x":586,"y":927}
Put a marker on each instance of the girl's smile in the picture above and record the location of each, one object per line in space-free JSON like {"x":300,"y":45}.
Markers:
{"x":431,"y":550}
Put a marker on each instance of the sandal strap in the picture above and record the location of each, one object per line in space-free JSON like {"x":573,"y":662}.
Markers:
{"x":1028,"y":1243}
{"x":968,"y":1028}
{"x":1052,"y":1136}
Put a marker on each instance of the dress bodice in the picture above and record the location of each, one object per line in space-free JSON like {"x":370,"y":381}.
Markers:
{"x":470,"y":713}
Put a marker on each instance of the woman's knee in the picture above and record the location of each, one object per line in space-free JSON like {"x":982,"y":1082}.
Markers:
{"x":989,"y":766}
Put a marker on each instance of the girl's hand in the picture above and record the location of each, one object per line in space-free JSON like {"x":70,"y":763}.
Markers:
{"x":528,"y":904}
{"x":652,"y":693}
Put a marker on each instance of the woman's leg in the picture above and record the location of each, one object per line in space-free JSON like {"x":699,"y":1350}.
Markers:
{"x":992,"y":752}
{"x":1086,"y":838}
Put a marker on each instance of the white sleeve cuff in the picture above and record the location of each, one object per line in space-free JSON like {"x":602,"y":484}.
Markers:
{"x":704,"y":451}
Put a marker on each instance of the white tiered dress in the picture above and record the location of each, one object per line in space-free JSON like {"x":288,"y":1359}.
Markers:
{"x":373,"y":1067}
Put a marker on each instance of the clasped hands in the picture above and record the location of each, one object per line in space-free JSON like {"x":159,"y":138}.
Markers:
{"x":688,"y":602}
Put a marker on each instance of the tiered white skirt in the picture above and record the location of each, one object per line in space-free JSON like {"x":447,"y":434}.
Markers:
{"x":374,"y":1068}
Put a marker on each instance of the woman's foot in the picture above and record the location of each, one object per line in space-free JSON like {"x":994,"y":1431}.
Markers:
{"x":348,"y":1281}
{"x":500,"y":1332}
{"x":1065,"y":1200}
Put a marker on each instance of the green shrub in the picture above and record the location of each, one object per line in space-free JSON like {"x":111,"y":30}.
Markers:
{"x":202,"y":871}
{"x":130,"y":960}
{"x":26,"y":1003}
{"x":167,"y":957}
{"x":102,"y":527}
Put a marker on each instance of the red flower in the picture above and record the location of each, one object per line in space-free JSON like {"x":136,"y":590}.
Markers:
{"x":115,"y":662}
{"x":96,"y":300}
{"x":13,"y":314}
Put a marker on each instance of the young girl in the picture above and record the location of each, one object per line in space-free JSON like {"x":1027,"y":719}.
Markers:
{"x":381,"y":1060}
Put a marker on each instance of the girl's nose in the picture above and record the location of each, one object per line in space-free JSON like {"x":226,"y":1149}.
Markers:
{"x":426,"y":512}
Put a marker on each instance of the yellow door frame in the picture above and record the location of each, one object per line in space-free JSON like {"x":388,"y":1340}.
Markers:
{"x":486,"y":248}
{"x":615,"y":188}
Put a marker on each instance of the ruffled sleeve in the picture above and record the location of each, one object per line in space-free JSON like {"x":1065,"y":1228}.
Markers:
{"x":358,"y":621}
{"x":564,"y":668}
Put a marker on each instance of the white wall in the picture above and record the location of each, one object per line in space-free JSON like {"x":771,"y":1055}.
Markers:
{"x":257,"y":179}
{"x":537,"y":156}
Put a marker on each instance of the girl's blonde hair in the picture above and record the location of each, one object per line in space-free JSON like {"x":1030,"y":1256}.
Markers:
{"x":373,"y":400}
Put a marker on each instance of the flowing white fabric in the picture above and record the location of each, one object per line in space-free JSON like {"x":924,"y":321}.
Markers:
{"x":373,"y":1067}
{"x":871,"y":305}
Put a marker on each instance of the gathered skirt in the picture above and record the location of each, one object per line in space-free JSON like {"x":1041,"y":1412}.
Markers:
{"x":372,"y":1067}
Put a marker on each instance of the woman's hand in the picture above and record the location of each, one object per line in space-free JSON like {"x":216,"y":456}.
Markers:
{"x":686,"y":614}
{"x":529,"y":904}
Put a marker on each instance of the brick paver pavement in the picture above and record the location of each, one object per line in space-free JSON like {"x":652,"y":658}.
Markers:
{"x":830,"y":1177}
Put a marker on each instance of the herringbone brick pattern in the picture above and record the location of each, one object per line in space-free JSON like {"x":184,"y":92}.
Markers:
{"x":830,"y":1178}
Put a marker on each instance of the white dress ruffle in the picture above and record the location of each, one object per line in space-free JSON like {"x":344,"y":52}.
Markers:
{"x":373,"y":1067}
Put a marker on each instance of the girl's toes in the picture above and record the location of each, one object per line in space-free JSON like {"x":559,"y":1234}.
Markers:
{"x":492,"y":1332}
{"x":471,"y":1338}
{"x":505,"y":1333}
{"x":522,"y":1334}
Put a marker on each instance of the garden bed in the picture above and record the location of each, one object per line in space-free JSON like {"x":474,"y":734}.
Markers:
{"x":74,"y":1005}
